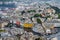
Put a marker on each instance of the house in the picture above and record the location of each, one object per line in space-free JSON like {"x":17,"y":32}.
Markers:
{"x":2,"y":24}
{"x":49,"y":11}
{"x":54,"y":25}
{"x":54,"y":38}
{"x":55,"y":22}
{"x":51,"y":28}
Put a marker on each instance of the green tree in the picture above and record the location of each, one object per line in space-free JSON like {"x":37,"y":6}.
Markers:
{"x":40,"y":15}
{"x":36,"y":15}
{"x":59,"y":16}
{"x":31,"y":11}
{"x":28,"y":11}
{"x":39,"y":21}
{"x":47,"y":18}
{"x":56,"y":9}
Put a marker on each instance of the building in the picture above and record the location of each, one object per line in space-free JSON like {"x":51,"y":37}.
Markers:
{"x":3,"y":24}
{"x":28,"y":25}
{"x":54,"y":38}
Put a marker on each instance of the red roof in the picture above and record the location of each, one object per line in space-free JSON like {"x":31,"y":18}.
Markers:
{"x":18,"y":22}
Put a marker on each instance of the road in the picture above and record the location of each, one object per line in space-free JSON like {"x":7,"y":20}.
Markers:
{"x":53,"y":35}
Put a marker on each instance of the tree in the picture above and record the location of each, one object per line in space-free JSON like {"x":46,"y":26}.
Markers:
{"x":37,"y":39}
{"x":36,"y":15}
{"x":39,"y":10}
{"x":28,"y":11}
{"x":9,"y":25}
{"x":56,"y":9}
{"x":31,"y":11}
{"x":42,"y":24}
{"x":0,"y":35}
{"x":47,"y":18}
{"x":39,"y":21}
{"x":59,"y":16}
{"x":22,"y":12}
{"x":40,"y":15}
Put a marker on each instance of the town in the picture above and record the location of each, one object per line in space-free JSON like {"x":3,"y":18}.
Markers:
{"x":32,"y":22}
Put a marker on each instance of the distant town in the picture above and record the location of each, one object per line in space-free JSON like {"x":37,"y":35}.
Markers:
{"x":29,"y":22}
